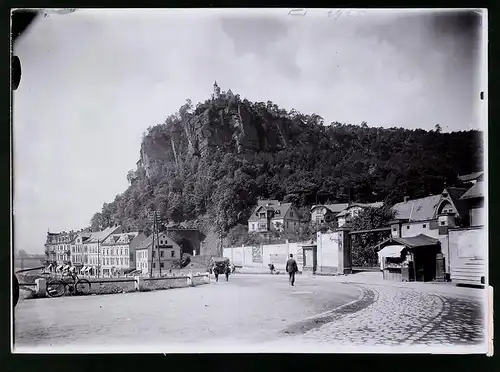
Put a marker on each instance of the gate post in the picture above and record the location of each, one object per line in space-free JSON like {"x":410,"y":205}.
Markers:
{"x":41,"y":287}
{"x":345,"y":265}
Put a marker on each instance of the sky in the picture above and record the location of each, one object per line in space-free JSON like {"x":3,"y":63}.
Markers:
{"x":93,"y":81}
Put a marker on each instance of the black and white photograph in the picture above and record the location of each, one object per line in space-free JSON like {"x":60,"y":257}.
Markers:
{"x":250,"y":181}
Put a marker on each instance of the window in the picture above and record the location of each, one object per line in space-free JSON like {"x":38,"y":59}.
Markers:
{"x":407,"y":227}
{"x":107,"y":261}
{"x":161,"y":264}
{"x":126,"y":261}
{"x":287,"y":225}
{"x":442,"y":223}
{"x":154,"y":265}
{"x":169,"y":246}
{"x":161,"y":253}
{"x":394,"y":229}
{"x":291,"y":214}
{"x":161,"y":242}
{"x":126,"y":251}
{"x":172,"y":253}
{"x":121,"y":261}
{"x":154,"y":254}
{"x":424,"y":225}
{"x":121,"y":252}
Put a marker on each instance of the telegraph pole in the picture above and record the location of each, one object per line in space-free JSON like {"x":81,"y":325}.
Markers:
{"x":157,"y":242}
{"x":155,"y":219}
{"x":152,"y":250}
{"x":98,"y":258}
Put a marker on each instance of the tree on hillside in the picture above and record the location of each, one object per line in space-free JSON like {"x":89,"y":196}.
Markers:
{"x":211,"y":163}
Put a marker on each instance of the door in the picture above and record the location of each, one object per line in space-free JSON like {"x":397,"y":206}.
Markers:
{"x":309,"y":258}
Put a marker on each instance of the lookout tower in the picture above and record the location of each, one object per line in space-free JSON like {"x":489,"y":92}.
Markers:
{"x":216,"y":93}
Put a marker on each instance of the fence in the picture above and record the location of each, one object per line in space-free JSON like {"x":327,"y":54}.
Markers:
{"x":123,"y":285}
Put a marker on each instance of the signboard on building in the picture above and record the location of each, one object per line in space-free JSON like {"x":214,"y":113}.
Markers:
{"x":299,"y":257}
{"x":256,"y":255}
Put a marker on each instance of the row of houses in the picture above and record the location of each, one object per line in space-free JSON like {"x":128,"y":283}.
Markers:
{"x":417,"y":215}
{"x":111,"y":251}
{"x":438,"y":237}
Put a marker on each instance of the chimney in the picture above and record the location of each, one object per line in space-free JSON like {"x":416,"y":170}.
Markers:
{"x":406,"y":198}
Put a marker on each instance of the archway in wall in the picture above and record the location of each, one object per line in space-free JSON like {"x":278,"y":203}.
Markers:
{"x":186,"y":246}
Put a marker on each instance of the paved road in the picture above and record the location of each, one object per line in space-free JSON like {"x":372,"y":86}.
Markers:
{"x":258,"y":309}
{"x":249,"y":308}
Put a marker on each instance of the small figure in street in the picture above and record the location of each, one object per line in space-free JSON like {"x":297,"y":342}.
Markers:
{"x":291,"y":269}
{"x":271,"y":267}
{"x":216,"y":273}
{"x":227,"y":272}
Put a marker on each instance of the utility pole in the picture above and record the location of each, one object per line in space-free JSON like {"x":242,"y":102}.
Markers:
{"x":155,"y":219}
{"x":157,"y":241}
{"x":152,"y":251}
{"x":98,"y":258}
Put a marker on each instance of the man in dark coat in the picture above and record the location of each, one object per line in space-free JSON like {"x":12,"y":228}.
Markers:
{"x":291,"y":269}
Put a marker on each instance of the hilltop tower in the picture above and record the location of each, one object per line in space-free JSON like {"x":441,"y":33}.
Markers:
{"x":216,"y":93}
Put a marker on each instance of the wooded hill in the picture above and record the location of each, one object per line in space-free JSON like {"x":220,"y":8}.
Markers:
{"x":207,"y":165}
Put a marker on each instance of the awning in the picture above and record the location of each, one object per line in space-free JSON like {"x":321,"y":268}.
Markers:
{"x":391,"y":251}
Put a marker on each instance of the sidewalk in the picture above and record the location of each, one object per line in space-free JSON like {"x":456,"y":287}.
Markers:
{"x":375,"y":278}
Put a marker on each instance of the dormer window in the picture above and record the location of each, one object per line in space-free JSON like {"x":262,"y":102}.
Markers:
{"x":278,"y":212}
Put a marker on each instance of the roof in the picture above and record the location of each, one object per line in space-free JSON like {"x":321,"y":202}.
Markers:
{"x":471,"y":176}
{"x":334,"y":208}
{"x":420,"y":240}
{"x":101,"y":235}
{"x":283,"y":209}
{"x":455,"y":194}
{"x":476,"y":191}
{"x":391,"y":251}
{"x":149,"y":241}
{"x":360,"y":205}
{"x":113,"y":238}
{"x":267,"y":201}
{"x":418,"y":209}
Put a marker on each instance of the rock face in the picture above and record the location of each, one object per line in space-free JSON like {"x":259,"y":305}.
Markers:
{"x":227,"y":126}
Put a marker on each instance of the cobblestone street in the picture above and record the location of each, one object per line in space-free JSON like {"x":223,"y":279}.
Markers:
{"x":395,"y":316}
{"x":258,"y":310}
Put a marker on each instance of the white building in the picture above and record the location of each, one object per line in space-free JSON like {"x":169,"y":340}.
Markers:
{"x":77,"y":248}
{"x":165,"y":251}
{"x":118,"y":252}
{"x":57,"y":247}
{"x":92,"y":258}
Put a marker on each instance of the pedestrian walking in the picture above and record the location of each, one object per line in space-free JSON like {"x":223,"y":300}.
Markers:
{"x":271,"y":267}
{"x":216,"y":273}
{"x":227,"y":272}
{"x":291,"y":269}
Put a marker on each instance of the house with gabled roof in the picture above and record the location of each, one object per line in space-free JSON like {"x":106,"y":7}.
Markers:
{"x":92,"y":258}
{"x":422,"y":215}
{"x":432,"y":217}
{"x":352,"y":210}
{"x":326,"y":213}
{"x":118,"y":252}
{"x":157,"y":254}
{"x":272,"y":215}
